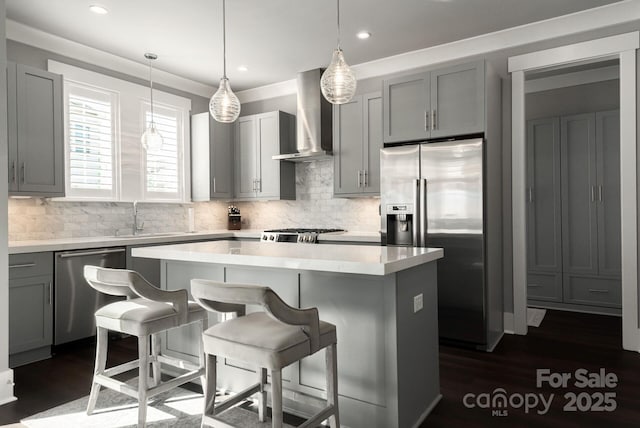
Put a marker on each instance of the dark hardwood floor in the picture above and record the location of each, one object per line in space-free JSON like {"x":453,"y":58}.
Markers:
{"x":565,"y":342}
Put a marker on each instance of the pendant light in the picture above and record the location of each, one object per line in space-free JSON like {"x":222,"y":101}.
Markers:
{"x":224,"y":105}
{"x":151,"y":139}
{"x":338,"y":82}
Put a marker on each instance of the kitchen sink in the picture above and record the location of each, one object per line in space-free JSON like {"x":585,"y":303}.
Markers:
{"x":149,"y":235}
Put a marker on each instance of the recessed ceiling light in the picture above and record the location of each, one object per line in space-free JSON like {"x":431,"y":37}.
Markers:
{"x":243,"y":68}
{"x":363,"y":35}
{"x":97,"y":9}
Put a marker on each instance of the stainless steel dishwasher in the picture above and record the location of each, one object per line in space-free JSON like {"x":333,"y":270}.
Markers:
{"x":75,"y":301}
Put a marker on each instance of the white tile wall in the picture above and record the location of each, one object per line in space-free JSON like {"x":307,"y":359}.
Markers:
{"x":315,"y":207}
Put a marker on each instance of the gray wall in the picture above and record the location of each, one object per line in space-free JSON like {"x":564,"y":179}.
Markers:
{"x":578,"y":99}
{"x":286,"y":103}
{"x":36,"y":57}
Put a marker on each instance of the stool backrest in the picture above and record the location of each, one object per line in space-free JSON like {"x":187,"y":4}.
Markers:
{"x":116,"y":282}
{"x":227,"y":297}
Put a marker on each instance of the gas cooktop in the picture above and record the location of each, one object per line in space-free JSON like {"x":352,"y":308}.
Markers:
{"x":307,"y":236}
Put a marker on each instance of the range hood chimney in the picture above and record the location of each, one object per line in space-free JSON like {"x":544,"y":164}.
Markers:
{"x":314,"y":125}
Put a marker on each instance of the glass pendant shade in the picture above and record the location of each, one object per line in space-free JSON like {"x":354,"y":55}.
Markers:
{"x":338,"y":82}
{"x":151,"y":139}
{"x":224,"y":105}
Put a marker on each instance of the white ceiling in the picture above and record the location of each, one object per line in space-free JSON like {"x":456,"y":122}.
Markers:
{"x":275,"y":38}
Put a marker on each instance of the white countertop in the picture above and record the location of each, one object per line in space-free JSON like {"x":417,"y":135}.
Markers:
{"x":64,"y":244}
{"x":366,"y":260}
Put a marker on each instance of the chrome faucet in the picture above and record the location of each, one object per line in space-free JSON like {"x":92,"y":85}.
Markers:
{"x":137,"y":226}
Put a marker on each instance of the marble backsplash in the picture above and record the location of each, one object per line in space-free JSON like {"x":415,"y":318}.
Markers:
{"x":38,"y":218}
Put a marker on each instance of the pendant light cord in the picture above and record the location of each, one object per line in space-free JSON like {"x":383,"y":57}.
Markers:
{"x":224,"y":40}
{"x":338,"y":26}
{"x":151,"y":89}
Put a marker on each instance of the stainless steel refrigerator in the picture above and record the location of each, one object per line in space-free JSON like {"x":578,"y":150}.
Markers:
{"x":434,"y":195}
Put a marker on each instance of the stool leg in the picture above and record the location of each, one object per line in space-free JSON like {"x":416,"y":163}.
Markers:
{"x":209,"y":387}
{"x":155,"y":364}
{"x":101,"y":362}
{"x":331,"y":358}
{"x":202,"y":357}
{"x":143,"y":356}
{"x":276,"y":398}
{"x":262,"y":395}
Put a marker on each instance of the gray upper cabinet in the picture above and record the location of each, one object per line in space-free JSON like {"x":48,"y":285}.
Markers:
{"x":608,"y":166}
{"x":440,"y":103}
{"x":258,"y":138}
{"x":579,"y":226}
{"x":35,"y":131}
{"x":544,"y":229}
{"x":357,"y":139}
{"x":406,"y":108}
{"x":211,"y":158}
{"x":457,"y":100}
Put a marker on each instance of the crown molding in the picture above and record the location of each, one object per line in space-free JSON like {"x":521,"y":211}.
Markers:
{"x":30,"y":36}
{"x":566,"y":25}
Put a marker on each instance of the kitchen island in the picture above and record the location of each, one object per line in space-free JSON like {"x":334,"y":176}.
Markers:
{"x":383,"y":301}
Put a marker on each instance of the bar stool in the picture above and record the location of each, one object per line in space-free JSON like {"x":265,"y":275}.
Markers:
{"x":147,"y":312}
{"x":270,"y":340}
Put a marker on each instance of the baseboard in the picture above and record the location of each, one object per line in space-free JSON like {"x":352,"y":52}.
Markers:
{"x":429,"y":409}
{"x":6,"y":387}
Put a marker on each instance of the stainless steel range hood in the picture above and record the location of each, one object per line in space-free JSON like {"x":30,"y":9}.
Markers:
{"x":313,"y":121}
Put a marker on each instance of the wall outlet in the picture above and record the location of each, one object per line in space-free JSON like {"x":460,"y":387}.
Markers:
{"x":417,"y":303}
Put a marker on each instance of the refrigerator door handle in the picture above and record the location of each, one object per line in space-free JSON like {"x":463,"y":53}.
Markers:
{"x":423,"y":213}
{"x":416,"y":223}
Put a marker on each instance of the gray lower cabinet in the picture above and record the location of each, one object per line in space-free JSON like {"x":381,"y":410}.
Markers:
{"x":440,"y":103}
{"x":259,"y":137}
{"x":30,"y":307}
{"x":357,"y":139}
{"x":35,"y":131}
{"x":544,"y":215}
{"x":574,"y":253}
{"x":211,"y":158}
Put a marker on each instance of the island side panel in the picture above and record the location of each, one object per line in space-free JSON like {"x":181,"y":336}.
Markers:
{"x":183,"y":342}
{"x":418,"y":348}
{"x":362,"y":307}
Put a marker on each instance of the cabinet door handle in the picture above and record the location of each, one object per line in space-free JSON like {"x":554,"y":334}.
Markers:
{"x":530,"y":194}
{"x":214,"y":185}
{"x":600,"y":193}
{"x":534,"y":285}
{"x":433,"y":120}
{"x":50,"y":294}
{"x":254,"y":185}
{"x":366,"y":178}
{"x":426,"y":120}
{"x":24,"y":265}
{"x":598,"y":290}
{"x":593,"y":193}
{"x":24,"y":172}
{"x":259,"y":185}
{"x":14,"y":173}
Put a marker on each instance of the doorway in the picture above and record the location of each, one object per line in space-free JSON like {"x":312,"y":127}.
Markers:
{"x":623,"y":48}
{"x":573,"y":189}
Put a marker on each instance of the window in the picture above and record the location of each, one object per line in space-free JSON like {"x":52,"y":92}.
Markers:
{"x":163,"y":164}
{"x":91,"y":137}
{"x":105,"y":118}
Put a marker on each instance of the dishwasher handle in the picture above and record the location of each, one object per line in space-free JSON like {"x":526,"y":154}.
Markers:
{"x":90,"y":253}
